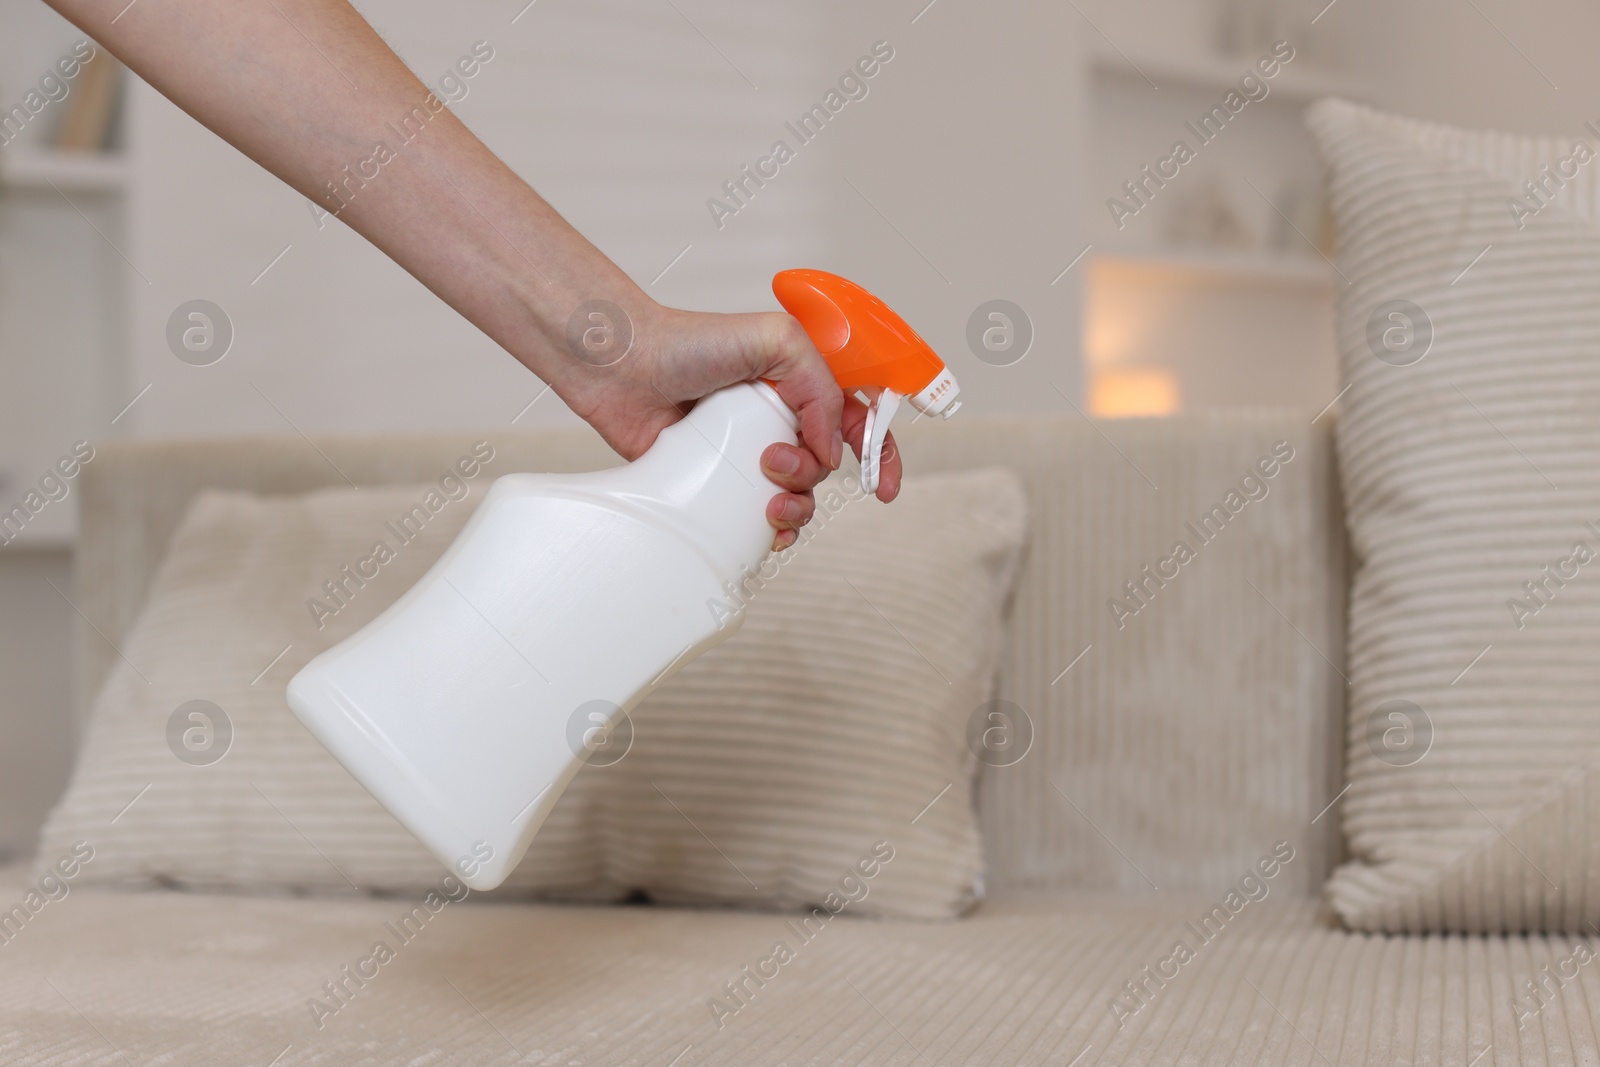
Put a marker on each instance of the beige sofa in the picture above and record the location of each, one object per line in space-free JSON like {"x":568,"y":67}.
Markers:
{"x":1186,"y":743}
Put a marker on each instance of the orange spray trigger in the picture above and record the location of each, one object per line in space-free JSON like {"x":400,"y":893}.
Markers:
{"x":870,"y":348}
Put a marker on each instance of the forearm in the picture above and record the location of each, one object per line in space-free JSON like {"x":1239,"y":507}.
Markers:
{"x":309,"y":91}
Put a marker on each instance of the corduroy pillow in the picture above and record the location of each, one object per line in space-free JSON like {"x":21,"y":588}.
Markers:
{"x":1470,"y":337}
{"x":816,"y":757}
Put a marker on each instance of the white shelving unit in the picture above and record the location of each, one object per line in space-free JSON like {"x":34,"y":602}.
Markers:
{"x":1188,"y":325}
{"x":63,"y":322}
{"x":1301,"y":84}
{"x":22,"y":167}
{"x":1274,"y":269}
{"x":63,"y":280}
{"x":54,"y":538}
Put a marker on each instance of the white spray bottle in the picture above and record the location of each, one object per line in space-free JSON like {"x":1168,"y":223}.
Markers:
{"x":467,"y":706}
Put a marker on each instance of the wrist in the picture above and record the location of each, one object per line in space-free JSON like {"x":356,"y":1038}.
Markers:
{"x":582,"y":337}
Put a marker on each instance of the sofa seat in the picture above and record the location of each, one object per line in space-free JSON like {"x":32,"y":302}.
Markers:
{"x":176,"y":978}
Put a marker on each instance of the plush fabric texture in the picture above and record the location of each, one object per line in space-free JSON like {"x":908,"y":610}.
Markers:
{"x":190,"y":980}
{"x":1473,"y":501}
{"x":1178,"y":742}
{"x":760,"y":775}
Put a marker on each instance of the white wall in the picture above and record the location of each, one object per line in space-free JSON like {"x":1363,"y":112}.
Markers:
{"x":628,"y":120}
{"x":619,"y":112}
{"x":1482,"y":64}
{"x":972,"y":150}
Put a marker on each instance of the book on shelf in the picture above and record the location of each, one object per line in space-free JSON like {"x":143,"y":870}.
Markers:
{"x":87,"y":124}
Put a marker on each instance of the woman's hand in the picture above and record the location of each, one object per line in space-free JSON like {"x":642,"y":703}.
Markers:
{"x":677,"y":357}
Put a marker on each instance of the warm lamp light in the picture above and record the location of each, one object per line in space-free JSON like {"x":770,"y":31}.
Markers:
{"x":1109,"y":339}
{"x":1123,"y":394}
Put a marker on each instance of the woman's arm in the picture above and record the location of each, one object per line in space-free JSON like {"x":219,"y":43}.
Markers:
{"x":307,"y":89}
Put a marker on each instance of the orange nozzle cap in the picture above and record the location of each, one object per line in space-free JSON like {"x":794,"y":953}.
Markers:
{"x":865,"y":343}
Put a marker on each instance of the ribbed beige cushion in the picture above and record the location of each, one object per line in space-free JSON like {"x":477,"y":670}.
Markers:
{"x":1168,"y":754}
{"x":186,"y":980}
{"x":762,"y":774}
{"x":1466,"y":473}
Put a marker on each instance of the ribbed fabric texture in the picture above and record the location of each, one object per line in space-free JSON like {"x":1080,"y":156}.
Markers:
{"x":761,"y":774}
{"x":1202,"y":727}
{"x":1181,"y":744}
{"x":183,"y":979}
{"x":1473,"y":504}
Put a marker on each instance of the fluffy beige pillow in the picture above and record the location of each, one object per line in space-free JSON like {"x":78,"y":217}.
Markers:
{"x":1470,"y":337}
{"x":824,"y":740}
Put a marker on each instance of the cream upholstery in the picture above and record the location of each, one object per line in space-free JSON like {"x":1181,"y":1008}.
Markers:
{"x":175,"y":979}
{"x":1176,"y":749}
{"x":1179,"y":750}
{"x":1467,"y":441}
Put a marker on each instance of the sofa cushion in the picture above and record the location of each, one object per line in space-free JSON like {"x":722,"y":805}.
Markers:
{"x":1469,"y":333}
{"x":188,"y":980}
{"x":765,"y":773}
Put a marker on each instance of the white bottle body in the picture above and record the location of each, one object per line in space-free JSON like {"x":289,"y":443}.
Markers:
{"x":463,"y":707}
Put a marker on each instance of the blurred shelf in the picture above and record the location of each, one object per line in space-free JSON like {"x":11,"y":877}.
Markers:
{"x":1295,"y":84}
{"x":53,"y":529}
{"x":1246,"y":268}
{"x":43,"y":168}
{"x":43,"y":541}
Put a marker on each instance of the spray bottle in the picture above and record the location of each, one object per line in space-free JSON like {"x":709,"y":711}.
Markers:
{"x":468,"y":705}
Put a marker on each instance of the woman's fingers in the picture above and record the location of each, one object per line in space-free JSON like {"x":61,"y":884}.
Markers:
{"x":792,"y":468}
{"x":889,"y":466}
{"x":790,"y":511}
{"x":798,"y":471}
